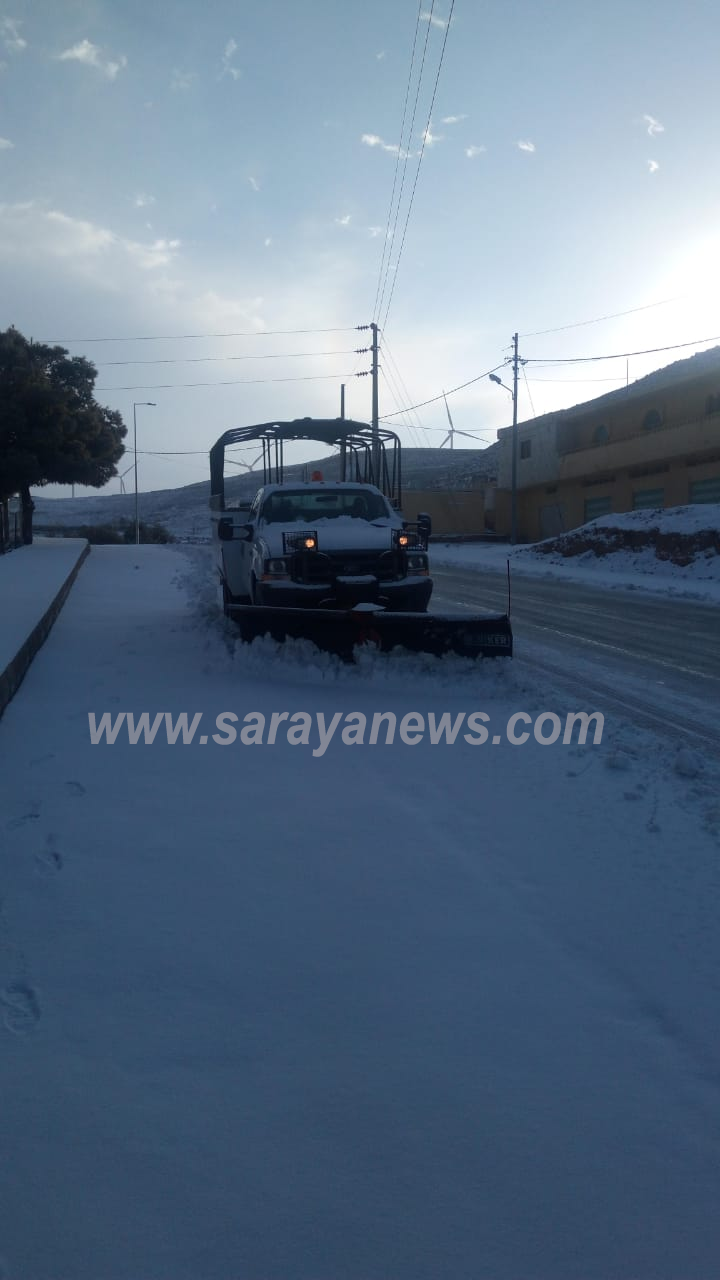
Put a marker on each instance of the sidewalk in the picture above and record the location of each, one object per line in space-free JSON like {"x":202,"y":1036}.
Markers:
{"x":34,"y":582}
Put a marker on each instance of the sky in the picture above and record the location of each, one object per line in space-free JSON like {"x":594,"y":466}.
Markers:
{"x":229,"y":170}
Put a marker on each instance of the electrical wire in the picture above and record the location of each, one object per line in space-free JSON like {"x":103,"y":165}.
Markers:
{"x":616,"y":315}
{"x":618,"y":355}
{"x":284,"y":355}
{"x":420,"y":157}
{"x":388,"y":238}
{"x":579,"y":381}
{"x":434,"y":399}
{"x":407,"y":156}
{"x":182,"y":337}
{"x":241,"y":382}
{"x":401,"y":382}
{"x":527,"y":388}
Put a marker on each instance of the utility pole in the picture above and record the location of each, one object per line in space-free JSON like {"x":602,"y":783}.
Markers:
{"x":342,"y":443}
{"x":513,"y":496}
{"x":375,"y":410}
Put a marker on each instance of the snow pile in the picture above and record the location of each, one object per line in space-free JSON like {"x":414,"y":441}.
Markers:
{"x":676,"y":549}
{"x":680,"y":538}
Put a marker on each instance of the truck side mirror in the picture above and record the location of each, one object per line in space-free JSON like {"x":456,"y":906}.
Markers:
{"x":424,"y":523}
{"x":227,"y":531}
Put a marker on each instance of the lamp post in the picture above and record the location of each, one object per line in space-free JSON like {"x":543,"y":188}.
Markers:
{"x":152,"y":404}
{"x":513,"y":484}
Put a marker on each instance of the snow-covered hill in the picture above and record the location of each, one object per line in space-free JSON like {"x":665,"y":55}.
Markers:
{"x":184,"y":511}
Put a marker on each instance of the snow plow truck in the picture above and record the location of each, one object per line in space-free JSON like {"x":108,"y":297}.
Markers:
{"x":333,"y":561}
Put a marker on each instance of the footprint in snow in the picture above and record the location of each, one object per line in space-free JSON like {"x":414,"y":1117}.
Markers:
{"x":22,"y":1012}
{"x":75,"y":788}
{"x":48,"y":862}
{"x":15,"y":823}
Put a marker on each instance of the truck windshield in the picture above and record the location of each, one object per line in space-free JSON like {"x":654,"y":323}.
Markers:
{"x":322,"y":504}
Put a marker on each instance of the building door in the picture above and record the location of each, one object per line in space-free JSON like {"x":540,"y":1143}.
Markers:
{"x":552,"y":519}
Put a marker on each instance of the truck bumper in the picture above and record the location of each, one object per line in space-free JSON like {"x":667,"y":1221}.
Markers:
{"x":407,"y":594}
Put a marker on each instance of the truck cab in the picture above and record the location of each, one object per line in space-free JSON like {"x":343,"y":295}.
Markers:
{"x":321,"y":544}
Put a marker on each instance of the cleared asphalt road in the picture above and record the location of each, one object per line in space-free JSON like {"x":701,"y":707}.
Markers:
{"x":656,"y":658}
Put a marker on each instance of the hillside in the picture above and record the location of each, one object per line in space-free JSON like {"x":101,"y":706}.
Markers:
{"x":184,"y":511}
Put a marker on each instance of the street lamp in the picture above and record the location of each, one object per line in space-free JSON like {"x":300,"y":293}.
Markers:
{"x":152,"y":404}
{"x":513,"y":485}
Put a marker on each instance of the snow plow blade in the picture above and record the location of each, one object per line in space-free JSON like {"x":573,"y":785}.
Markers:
{"x":341,"y":631}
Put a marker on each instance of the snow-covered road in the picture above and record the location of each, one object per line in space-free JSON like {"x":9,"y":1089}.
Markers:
{"x":391,"y":1013}
{"x":653,"y":657}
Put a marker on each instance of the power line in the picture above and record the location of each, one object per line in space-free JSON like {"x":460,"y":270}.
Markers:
{"x":182,"y":337}
{"x":527,"y":388}
{"x":579,"y":381}
{"x":434,"y":399}
{"x":407,"y":154}
{"x":387,"y":240}
{"x":283,"y":355}
{"x":420,"y":157}
{"x":616,"y":315}
{"x":618,"y":355}
{"x":401,"y":381}
{"x":241,"y":382}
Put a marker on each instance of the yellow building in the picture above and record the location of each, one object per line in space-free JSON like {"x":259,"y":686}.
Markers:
{"x":655,"y":443}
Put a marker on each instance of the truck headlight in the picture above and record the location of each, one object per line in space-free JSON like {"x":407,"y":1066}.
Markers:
{"x":417,"y":563}
{"x":276,"y":566}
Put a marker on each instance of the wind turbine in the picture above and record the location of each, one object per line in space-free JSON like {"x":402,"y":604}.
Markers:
{"x":453,"y":430}
{"x":247,"y":465}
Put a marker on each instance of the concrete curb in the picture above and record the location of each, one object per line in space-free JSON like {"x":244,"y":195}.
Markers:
{"x":14,"y":674}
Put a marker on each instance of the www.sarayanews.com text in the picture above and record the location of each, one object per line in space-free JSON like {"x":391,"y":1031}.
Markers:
{"x":310,"y":729}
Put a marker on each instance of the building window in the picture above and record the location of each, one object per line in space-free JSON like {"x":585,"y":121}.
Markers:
{"x":595,"y":507}
{"x":601,"y":435}
{"x":645,"y":498}
{"x":525,"y":448}
{"x":652,"y":420}
{"x":705,"y":490}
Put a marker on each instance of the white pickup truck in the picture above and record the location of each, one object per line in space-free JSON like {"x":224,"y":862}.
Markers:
{"x":321,"y":544}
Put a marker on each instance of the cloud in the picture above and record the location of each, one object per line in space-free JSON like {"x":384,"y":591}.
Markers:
{"x":89,"y":55}
{"x":429,"y":138}
{"x":653,"y":126}
{"x":374,"y":140}
{"x":267,"y":241}
{"x":343,"y":222}
{"x":10,"y":35}
{"x":433,"y":19}
{"x":142,"y":200}
{"x":30,"y":230}
{"x":254,"y":183}
{"x":182,"y":80}
{"x":453,"y":119}
{"x":6,"y":144}
{"x":526,"y":146}
{"x":473,"y":151}
{"x":653,"y":166}
{"x":380,"y":55}
{"x":227,"y":64}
